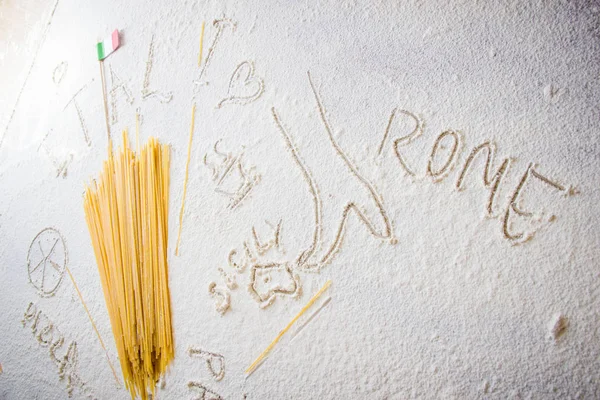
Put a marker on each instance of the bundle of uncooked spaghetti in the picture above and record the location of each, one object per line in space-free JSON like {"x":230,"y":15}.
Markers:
{"x":127,"y":215}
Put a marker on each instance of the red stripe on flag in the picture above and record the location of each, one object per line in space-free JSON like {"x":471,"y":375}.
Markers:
{"x":115,"y":39}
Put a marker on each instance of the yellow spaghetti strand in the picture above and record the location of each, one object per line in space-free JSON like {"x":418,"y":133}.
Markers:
{"x":201,"y":44}
{"x":94,"y":326}
{"x":187,"y":166}
{"x":253,"y":366}
{"x":137,"y":131}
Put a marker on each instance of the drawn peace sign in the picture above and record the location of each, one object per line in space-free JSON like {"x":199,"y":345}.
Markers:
{"x":47,"y":261}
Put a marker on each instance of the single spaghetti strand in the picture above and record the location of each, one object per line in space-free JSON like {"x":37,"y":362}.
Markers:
{"x":201,"y":44}
{"x":137,"y":131}
{"x":187,"y":166}
{"x":274,"y":342}
{"x":93,"y":325}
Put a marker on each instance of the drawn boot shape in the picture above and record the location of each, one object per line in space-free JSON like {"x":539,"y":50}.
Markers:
{"x":364,"y":201}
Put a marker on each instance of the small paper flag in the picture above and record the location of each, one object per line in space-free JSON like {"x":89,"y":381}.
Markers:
{"x":110,"y":44}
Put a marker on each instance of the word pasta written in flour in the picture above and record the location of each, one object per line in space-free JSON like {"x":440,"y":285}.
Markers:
{"x":216,"y":365}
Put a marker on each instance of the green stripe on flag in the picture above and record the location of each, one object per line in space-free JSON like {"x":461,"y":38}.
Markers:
{"x":100,"y":47}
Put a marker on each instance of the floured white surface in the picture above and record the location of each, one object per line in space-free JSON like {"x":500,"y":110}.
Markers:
{"x":453,"y":310}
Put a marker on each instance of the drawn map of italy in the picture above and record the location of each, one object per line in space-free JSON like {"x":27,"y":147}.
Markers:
{"x":316,"y":256}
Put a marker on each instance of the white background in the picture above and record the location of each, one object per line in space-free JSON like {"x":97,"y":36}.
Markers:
{"x":453,"y":310}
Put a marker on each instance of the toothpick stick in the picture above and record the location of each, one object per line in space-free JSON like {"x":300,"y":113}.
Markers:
{"x":252,"y":367}
{"x":201,"y":44}
{"x":187,"y":166}
{"x":94,"y":326}
{"x":104,"y":98}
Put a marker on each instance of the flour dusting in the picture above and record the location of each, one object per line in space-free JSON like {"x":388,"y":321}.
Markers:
{"x":438,"y":162}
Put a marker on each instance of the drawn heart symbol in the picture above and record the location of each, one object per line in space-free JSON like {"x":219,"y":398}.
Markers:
{"x":244,"y":86}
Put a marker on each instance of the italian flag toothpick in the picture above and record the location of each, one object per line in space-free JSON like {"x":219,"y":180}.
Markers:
{"x":110,"y":44}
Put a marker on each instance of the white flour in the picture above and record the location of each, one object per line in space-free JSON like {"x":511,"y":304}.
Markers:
{"x":437,"y":292}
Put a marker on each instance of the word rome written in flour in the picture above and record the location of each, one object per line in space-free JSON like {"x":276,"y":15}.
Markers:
{"x":443,"y":158}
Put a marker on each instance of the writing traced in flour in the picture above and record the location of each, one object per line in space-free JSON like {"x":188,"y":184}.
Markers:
{"x":221,"y":296}
{"x":82,"y":123}
{"x":146,"y":91}
{"x":438,"y":172}
{"x":444,"y":156}
{"x":244,"y":86}
{"x":240,"y":263}
{"x":268,"y":279}
{"x":48,"y":335}
{"x":59,"y":72}
{"x":490,"y":181}
{"x":262,"y":247}
{"x":116,"y":86}
{"x":403,"y":140}
{"x":203,"y":392}
{"x":221,"y":25}
{"x":514,"y":209}
{"x":231,"y":178}
{"x":276,"y":278}
{"x":229,"y":279}
{"x":214,"y":362}
{"x":46,"y":261}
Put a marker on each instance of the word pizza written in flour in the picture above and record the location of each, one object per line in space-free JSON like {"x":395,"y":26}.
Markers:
{"x":48,"y":335}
